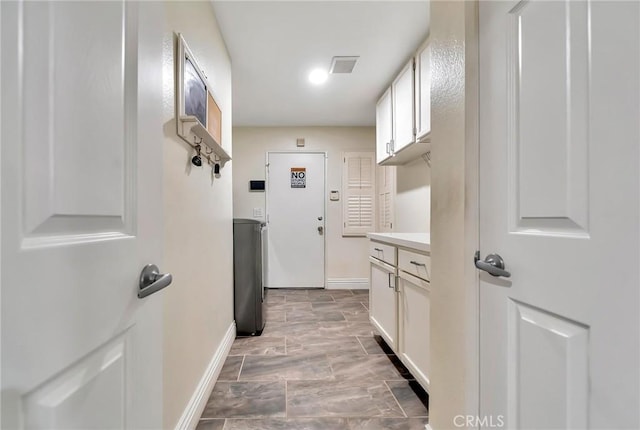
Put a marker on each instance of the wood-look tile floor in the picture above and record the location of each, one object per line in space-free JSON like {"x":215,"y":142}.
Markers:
{"x":319,"y":365}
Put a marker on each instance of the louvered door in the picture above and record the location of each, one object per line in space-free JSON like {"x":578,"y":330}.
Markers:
{"x":385,"y":193}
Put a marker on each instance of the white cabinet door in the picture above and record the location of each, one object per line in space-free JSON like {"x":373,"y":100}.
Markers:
{"x":383,"y":305}
{"x":413,"y":313}
{"x":81,"y":214}
{"x":423,"y":91}
{"x":384,"y":126}
{"x":403,"y":109}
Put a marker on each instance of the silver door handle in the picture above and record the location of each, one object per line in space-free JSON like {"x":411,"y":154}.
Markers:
{"x":152,"y":281}
{"x":415,"y":263}
{"x":493,"y":264}
{"x":320,"y":229}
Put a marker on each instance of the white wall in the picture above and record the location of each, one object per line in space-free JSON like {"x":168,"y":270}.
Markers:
{"x":413,"y":198}
{"x":346,"y":256}
{"x":198,"y":219}
{"x":454,"y":214}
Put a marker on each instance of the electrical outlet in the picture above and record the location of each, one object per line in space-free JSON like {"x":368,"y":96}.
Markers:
{"x":258,"y":213}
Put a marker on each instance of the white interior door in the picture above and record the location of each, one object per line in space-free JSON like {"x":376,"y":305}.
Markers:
{"x":296,"y":217}
{"x":81,"y":214}
{"x":559,"y":147}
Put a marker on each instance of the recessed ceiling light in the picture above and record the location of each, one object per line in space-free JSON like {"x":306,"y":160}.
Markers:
{"x":318,"y":76}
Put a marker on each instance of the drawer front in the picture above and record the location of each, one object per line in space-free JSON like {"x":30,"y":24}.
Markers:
{"x":415,"y":264}
{"x":382,"y":251}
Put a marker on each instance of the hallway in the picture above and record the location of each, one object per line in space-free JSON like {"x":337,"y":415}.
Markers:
{"x":318,"y":365}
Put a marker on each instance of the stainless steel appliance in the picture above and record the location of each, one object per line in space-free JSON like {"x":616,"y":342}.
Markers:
{"x":248,"y":256}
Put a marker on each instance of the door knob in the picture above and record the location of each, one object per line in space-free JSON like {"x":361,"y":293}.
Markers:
{"x":152,"y":281}
{"x":320,"y":229}
{"x":493,"y":265}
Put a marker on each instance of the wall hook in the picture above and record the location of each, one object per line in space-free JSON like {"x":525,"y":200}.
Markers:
{"x":197,"y":160}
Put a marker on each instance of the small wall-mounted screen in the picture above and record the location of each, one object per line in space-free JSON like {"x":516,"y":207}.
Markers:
{"x":256,"y":185}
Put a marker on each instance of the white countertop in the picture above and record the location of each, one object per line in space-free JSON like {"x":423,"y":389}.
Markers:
{"x":418,"y":241}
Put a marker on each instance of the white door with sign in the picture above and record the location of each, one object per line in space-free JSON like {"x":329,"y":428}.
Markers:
{"x":559,"y":187}
{"x":81,"y":214}
{"x":296,"y":218}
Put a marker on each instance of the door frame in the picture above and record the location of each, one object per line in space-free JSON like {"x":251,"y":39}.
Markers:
{"x":324,"y":201}
{"x":472,"y":208}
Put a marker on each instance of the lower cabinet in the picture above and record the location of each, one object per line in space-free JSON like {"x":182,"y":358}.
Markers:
{"x":383,"y":301}
{"x":400,"y":304}
{"x":413,"y":331}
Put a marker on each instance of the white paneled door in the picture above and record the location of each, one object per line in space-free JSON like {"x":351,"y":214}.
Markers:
{"x":81,"y":175}
{"x":559,"y":187}
{"x":296,"y":217}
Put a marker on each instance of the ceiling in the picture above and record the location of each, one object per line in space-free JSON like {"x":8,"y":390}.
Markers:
{"x":275,"y":44}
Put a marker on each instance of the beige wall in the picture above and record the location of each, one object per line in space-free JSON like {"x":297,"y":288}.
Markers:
{"x":198,"y":220}
{"x":413,"y":198}
{"x":346,"y":256}
{"x":454,"y":216}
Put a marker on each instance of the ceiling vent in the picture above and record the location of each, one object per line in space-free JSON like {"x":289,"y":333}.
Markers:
{"x":343,"y":64}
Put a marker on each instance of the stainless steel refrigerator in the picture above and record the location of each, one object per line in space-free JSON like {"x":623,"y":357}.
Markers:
{"x":248,"y":264}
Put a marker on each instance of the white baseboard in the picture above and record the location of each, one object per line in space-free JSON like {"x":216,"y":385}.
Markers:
{"x":348,"y":284}
{"x":195,"y":407}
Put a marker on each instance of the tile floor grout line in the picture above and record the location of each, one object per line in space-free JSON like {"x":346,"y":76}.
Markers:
{"x":394,"y":398}
{"x":362,"y":346}
{"x":286,"y":399}
{"x":241,"y":366}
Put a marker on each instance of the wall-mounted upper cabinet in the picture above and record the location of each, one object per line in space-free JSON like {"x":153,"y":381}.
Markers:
{"x":384,"y":127}
{"x":409,"y":124}
{"x":423,"y":92}
{"x":403,"y":109}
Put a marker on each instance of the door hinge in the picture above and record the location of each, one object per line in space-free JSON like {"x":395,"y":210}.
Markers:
{"x":414,"y":64}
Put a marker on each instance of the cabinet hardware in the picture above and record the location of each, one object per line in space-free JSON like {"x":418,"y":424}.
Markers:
{"x":417,"y":264}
